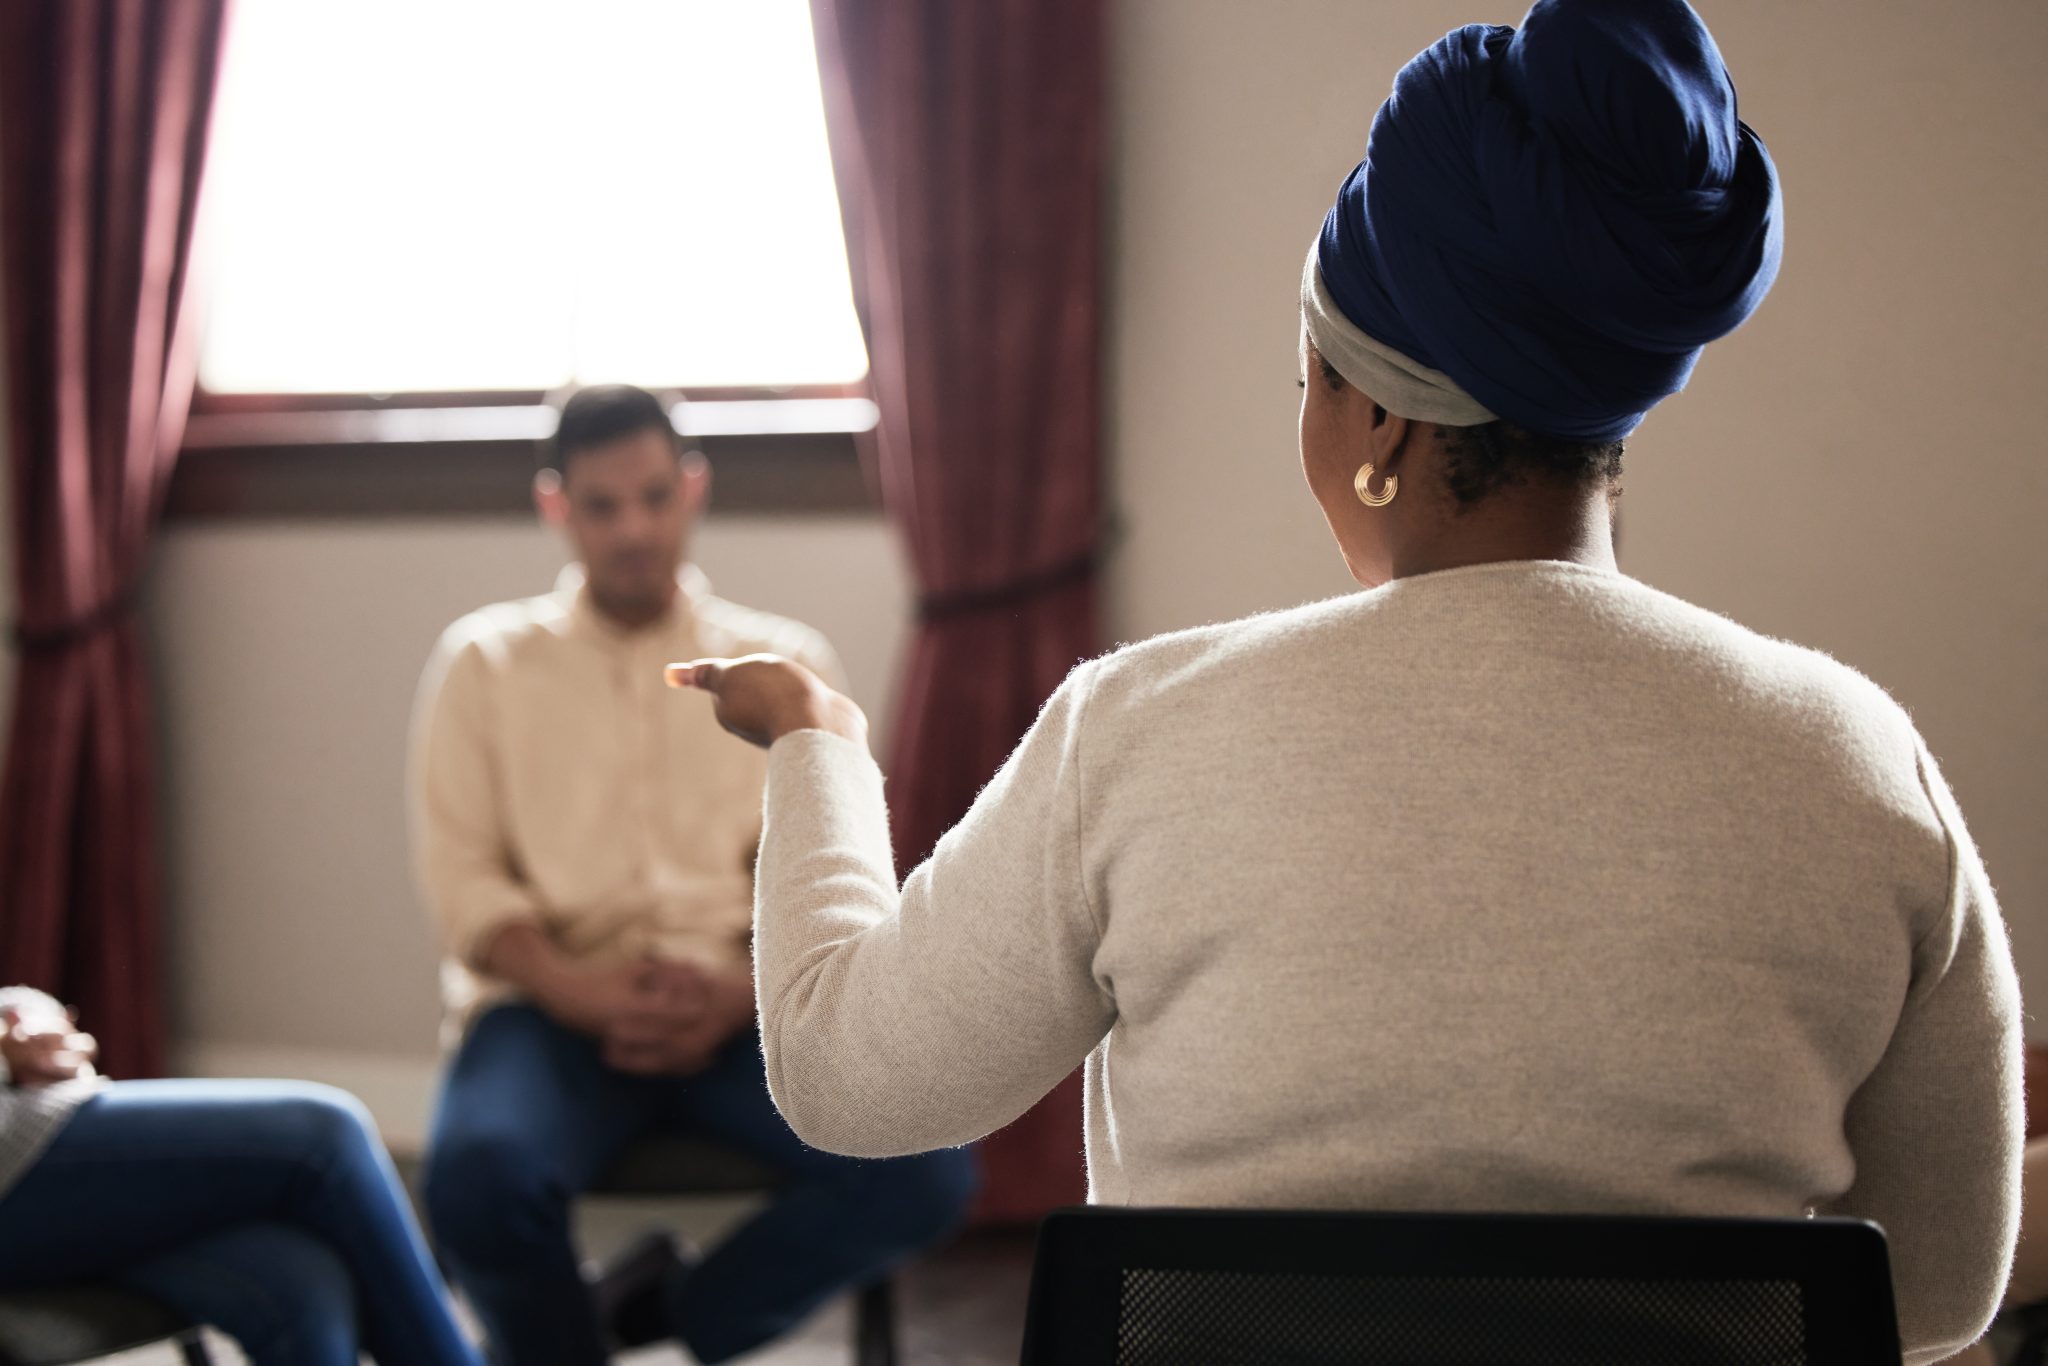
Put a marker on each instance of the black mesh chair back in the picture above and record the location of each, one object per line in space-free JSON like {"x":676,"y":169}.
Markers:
{"x":1122,"y":1287}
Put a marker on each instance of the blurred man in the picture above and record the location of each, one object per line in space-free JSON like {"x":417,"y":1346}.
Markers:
{"x":586,"y":848}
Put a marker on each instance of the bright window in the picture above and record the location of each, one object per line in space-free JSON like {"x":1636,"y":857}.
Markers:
{"x":450,"y":195}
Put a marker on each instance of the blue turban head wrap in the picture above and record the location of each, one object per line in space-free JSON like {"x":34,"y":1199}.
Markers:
{"x":1560,"y":217}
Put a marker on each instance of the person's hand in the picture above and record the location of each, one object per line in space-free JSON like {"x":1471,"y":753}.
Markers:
{"x":654,"y":1017}
{"x":694,"y":1011}
{"x":45,"y":1048}
{"x":762,"y":698}
{"x":592,"y":998}
{"x":586,"y":997}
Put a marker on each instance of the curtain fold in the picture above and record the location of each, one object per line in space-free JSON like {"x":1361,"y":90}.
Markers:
{"x":104,"y":107}
{"x":968,"y":142}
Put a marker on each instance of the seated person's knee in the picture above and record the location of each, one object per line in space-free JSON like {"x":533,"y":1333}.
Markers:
{"x":485,"y":1195}
{"x":320,"y":1125}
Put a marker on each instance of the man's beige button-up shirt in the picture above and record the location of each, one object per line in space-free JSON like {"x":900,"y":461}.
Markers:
{"x":556,"y":779}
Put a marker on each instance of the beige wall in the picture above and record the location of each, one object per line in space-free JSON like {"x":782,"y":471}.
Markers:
{"x":1859,"y":469}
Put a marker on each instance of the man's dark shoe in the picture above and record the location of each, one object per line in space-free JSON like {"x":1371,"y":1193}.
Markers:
{"x":630,"y":1290}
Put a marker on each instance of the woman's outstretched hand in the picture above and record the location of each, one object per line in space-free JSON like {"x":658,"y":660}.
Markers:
{"x":762,"y":698}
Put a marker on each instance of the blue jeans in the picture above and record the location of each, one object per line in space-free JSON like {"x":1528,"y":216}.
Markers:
{"x":267,"y":1209}
{"x":529,"y":1118}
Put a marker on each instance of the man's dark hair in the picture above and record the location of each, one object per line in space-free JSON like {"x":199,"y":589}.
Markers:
{"x":603,"y":413}
{"x":1492,"y":455}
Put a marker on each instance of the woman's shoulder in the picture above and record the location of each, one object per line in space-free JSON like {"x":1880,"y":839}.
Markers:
{"x":1237,"y":653}
{"x":1654,"y":637}
{"x":1782,"y":692}
{"x":1774,"y":667}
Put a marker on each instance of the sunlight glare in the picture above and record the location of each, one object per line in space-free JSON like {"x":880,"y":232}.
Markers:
{"x":428,"y":195}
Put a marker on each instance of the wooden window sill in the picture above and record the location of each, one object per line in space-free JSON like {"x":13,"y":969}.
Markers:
{"x":770,"y":456}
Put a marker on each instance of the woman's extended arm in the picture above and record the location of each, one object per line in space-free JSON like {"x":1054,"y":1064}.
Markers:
{"x":896,"y":1022}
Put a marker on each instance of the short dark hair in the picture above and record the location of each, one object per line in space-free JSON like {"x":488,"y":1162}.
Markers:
{"x":1478,"y":460}
{"x":600,"y":414}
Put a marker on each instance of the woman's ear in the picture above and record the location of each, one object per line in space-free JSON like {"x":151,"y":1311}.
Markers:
{"x":1387,"y":438}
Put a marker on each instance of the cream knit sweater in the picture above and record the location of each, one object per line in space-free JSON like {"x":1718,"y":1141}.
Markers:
{"x":1517,"y":887}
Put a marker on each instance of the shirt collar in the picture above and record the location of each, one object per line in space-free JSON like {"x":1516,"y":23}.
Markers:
{"x":571,"y":589}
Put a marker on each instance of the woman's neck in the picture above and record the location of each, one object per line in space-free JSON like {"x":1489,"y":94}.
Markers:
{"x":1526,"y":522}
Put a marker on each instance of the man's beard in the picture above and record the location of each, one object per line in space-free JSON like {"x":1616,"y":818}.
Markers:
{"x":634,"y":604}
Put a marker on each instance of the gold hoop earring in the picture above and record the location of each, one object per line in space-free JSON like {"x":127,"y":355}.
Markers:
{"x":1363,"y":485}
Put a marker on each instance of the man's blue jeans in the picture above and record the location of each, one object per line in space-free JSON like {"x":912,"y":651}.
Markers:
{"x":267,"y":1209}
{"x":529,"y":1118}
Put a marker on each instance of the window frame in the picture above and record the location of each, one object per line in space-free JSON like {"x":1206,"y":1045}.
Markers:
{"x":794,"y":449}
{"x":257,"y":457}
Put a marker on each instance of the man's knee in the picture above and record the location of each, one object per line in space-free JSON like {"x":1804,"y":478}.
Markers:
{"x":920,"y":1199}
{"x":489,"y":1199}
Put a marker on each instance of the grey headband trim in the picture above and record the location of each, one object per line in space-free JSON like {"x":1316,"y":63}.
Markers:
{"x":1396,"y":383}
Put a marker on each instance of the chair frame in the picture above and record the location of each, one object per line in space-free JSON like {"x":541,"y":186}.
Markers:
{"x":1841,"y":1265}
{"x":83,"y":1305}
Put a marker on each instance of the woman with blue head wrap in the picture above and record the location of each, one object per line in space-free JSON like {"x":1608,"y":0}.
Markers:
{"x":1508,"y":884}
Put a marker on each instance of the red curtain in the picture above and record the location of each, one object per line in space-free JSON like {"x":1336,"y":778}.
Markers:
{"x":103,"y":116}
{"x":968,"y":141}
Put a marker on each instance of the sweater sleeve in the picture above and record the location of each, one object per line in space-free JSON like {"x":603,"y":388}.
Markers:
{"x":30,"y":1116}
{"x":1937,"y":1129}
{"x":897,"y":1022}
{"x":461,"y":851}
{"x":30,"y":1003}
